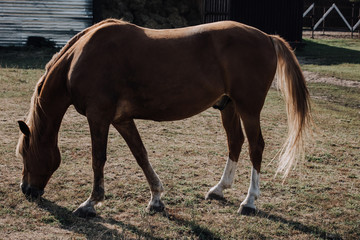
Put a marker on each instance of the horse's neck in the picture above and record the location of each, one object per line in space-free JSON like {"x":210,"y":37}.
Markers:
{"x":50,"y":109}
{"x":47,"y":124}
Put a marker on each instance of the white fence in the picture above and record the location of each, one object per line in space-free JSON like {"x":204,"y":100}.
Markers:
{"x":322,"y":19}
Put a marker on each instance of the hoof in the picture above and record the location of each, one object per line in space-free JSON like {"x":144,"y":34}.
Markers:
{"x":215,"y":193}
{"x":156,"y":207}
{"x":213,"y":196}
{"x":247,"y":211}
{"x":85,"y":212}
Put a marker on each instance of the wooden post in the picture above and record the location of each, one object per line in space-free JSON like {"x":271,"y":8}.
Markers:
{"x":352,"y":20}
{"x":324,"y":21}
{"x":312,"y":22}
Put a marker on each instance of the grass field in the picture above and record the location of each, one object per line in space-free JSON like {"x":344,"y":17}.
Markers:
{"x":332,"y":57}
{"x":319,"y":200}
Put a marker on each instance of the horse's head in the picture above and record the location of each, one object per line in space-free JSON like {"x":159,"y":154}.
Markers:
{"x":40,"y":160}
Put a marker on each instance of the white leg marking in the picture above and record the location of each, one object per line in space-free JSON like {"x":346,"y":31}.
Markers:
{"x":254,"y":190}
{"x":86,"y":209}
{"x":153,"y":180}
{"x":88,"y":204}
{"x":156,"y":192}
{"x":155,"y":201}
{"x":156,"y":188}
{"x":226,"y":180}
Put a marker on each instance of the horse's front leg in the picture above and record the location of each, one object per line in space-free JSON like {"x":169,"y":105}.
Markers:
{"x":99,"y":133}
{"x":131,"y":135}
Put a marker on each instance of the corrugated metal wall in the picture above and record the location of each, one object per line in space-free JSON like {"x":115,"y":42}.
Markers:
{"x":55,"y":20}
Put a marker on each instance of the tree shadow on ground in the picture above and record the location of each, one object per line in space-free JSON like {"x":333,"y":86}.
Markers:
{"x":25,"y":57}
{"x":308,"y":229}
{"x":323,"y":54}
{"x":92,"y":228}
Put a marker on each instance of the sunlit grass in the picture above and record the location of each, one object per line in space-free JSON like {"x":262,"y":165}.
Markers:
{"x":332,"y":57}
{"x":349,"y":71}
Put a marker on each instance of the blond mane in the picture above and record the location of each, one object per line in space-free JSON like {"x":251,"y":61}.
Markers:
{"x":32,"y":119}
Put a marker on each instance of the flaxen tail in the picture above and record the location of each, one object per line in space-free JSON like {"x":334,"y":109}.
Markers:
{"x":292,"y":84}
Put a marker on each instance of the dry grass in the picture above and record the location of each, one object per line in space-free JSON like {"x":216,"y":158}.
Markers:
{"x":334,"y":57}
{"x":320,"y":199}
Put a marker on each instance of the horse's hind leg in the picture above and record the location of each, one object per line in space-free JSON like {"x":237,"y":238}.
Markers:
{"x":130,"y":134}
{"x":256,"y":146}
{"x":235,"y":137}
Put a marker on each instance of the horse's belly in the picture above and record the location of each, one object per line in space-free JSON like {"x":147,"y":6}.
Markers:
{"x":168,"y":108}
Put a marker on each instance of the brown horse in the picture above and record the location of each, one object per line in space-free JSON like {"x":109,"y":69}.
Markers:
{"x":115,"y":72}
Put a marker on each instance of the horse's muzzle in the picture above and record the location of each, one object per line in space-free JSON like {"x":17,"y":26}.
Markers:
{"x":31,"y":192}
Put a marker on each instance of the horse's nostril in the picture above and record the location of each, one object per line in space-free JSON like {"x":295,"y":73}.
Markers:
{"x":28,"y":191}
{"x":35,"y":193}
{"x":31,"y":192}
{"x":24,"y":188}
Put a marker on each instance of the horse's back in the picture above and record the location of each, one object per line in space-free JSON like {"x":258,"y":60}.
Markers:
{"x":173,"y":73}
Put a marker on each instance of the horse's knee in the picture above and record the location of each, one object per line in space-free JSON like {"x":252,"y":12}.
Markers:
{"x":261,"y":143}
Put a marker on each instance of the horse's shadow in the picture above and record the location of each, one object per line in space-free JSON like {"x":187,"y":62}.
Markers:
{"x":307,"y":229}
{"x":92,"y":228}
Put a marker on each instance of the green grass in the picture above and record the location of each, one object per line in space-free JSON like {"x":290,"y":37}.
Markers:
{"x":319,"y":200}
{"x":332,"y":57}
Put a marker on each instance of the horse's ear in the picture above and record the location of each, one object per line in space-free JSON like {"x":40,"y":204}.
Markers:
{"x":24,"y":128}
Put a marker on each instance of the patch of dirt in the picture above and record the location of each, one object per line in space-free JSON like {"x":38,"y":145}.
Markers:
{"x":315,"y":77}
{"x":331,"y":34}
